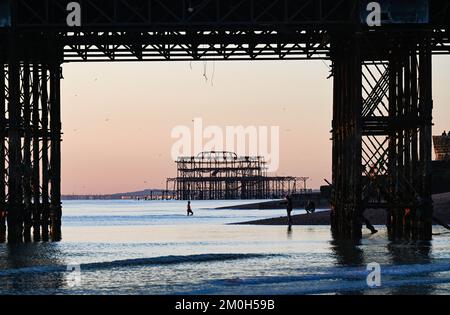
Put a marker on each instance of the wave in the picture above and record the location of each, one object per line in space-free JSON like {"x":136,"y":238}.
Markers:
{"x":340,"y":274}
{"x":330,"y":280}
{"x":318,"y":287}
{"x":150,"y":261}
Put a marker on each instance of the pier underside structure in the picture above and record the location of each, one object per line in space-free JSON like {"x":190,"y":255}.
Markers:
{"x":382,"y":103}
{"x":30,"y":153}
{"x":224,"y":175}
{"x":386,"y":125}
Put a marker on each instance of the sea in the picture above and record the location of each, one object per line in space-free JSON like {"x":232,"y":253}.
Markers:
{"x":152,"y":248}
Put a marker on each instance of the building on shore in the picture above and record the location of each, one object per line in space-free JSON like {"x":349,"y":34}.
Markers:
{"x":442,"y":146}
{"x":441,"y":165}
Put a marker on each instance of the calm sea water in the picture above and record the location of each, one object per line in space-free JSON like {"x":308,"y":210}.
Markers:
{"x":151,"y":247}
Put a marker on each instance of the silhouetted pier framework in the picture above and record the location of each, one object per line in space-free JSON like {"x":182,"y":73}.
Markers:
{"x":224,"y":175}
{"x":382,"y":91}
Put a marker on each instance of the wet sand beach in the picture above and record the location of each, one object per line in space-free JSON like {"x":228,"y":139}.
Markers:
{"x":375,"y":216}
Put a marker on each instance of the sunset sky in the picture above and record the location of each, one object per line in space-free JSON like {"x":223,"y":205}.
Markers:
{"x":117,"y":117}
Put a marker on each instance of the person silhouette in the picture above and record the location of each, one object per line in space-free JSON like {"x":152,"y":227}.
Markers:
{"x":189,"y":210}
{"x":289,"y":209}
{"x":310,"y":207}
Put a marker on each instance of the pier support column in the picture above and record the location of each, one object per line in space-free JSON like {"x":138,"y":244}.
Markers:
{"x":45,"y":216}
{"x":15,"y":204}
{"x":30,"y":151}
{"x":424,"y":213}
{"x":382,"y":120}
{"x":55,"y":151}
{"x":347,"y":103}
{"x":26,"y":165}
{"x":36,"y":151}
{"x":2,"y":153}
{"x":397,"y":140}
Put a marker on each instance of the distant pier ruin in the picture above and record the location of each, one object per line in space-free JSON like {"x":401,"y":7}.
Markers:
{"x":225,"y":175}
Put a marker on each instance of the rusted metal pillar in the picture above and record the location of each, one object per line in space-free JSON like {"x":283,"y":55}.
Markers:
{"x":415,"y":178}
{"x":45,"y":217}
{"x":397,"y":138}
{"x":425,"y":207}
{"x":26,"y":165}
{"x":35,"y":181}
{"x":15,"y":204}
{"x":55,"y":153}
{"x":346,"y":217}
{"x":394,"y":217}
{"x":409,"y":200}
{"x":31,"y":134}
{"x":408,"y":147}
{"x":2,"y":153}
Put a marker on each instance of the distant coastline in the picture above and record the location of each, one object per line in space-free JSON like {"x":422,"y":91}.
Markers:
{"x":145,"y":194}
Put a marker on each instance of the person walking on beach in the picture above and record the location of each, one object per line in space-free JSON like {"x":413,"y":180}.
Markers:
{"x":310,"y":207}
{"x":289,"y":209}
{"x":369,"y":225}
{"x":189,"y":210}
